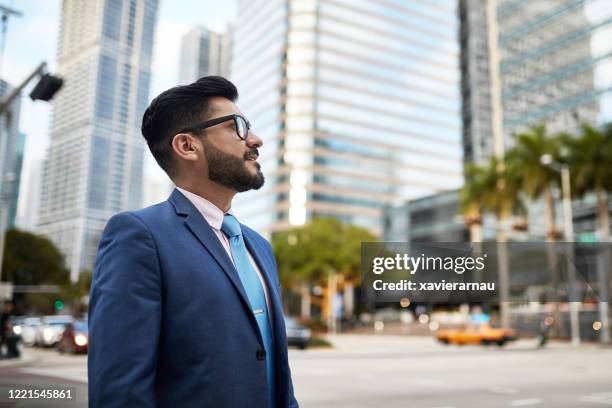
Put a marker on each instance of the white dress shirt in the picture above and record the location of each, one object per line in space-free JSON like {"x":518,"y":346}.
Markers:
{"x":214,"y":216}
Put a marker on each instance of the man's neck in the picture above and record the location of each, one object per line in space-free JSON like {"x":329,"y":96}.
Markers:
{"x":217,"y":194}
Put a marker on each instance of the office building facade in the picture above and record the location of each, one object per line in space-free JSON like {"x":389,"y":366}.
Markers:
{"x":11,"y":155}
{"x":95,"y":159}
{"x":16,"y":178}
{"x":427,"y":219}
{"x":203,"y":52}
{"x":554,"y":61}
{"x":357,"y":103}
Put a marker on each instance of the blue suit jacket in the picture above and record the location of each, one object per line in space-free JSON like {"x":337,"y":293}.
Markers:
{"x":170,"y":323}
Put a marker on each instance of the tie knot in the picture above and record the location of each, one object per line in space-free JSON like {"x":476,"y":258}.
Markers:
{"x":230,"y":226}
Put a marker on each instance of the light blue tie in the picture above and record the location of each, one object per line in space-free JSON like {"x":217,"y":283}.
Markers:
{"x":255,"y":292}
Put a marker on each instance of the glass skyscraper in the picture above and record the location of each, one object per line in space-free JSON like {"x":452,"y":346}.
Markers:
{"x":357,"y":103}
{"x":95,"y":159}
{"x":554,"y":61}
{"x":11,"y":153}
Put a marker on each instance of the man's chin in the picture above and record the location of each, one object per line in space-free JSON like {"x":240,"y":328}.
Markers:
{"x":253,"y":163}
{"x":259,"y":182}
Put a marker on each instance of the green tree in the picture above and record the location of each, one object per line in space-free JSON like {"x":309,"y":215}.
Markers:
{"x":312,"y":253}
{"x":30,"y":259}
{"x":589,"y":155}
{"x":536,"y":178}
{"x":502,"y":183}
{"x":76,"y":292}
{"x":502,"y":199}
{"x":493,"y":188}
{"x":472,"y":197}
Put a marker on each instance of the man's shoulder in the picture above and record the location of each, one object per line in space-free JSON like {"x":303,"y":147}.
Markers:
{"x":149,"y":217}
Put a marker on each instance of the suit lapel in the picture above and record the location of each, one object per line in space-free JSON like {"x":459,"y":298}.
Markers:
{"x":200,"y":228}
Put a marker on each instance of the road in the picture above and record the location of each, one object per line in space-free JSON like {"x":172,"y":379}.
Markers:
{"x":41,"y":368}
{"x":399,"y":371}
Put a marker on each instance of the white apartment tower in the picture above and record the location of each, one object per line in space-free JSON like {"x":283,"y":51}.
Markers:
{"x":203,"y":52}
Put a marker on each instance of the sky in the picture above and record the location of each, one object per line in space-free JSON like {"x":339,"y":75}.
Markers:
{"x":32,"y":38}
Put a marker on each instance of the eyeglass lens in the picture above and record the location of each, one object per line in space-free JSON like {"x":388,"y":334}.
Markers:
{"x":242,"y":127}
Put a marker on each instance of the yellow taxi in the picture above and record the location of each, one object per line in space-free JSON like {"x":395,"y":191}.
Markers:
{"x":482,"y":334}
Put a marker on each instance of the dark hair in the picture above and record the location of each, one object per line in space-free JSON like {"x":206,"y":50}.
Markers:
{"x":178,"y":108}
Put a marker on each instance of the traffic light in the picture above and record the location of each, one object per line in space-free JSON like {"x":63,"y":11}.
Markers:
{"x":58,"y":304}
{"x":46,"y":87}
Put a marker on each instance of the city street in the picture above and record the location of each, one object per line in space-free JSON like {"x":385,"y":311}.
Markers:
{"x":395,"y":371}
{"x":42,"y":368}
{"x":399,"y":371}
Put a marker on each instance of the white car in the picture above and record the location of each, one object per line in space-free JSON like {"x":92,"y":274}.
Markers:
{"x":27,"y":330}
{"x":50,"y":331}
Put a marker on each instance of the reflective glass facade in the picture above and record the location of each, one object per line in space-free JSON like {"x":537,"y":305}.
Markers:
{"x":357,"y":103}
{"x":95,"y":160}
{"x":11,"y":156}
{"x":555,"y":61}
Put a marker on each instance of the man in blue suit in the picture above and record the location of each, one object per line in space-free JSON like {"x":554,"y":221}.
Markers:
{"x":185,"y":306}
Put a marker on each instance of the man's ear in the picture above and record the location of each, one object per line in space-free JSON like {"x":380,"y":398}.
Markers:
{"x":186,"y":146}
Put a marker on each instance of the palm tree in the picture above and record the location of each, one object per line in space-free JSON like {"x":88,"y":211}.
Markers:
{"x":590,"y":160}
{"x":503,"y":181}
{"x":502,"y":199}
{"x":472,"y":197}
{"x":536,"y":178}
{"x":493,"y":188}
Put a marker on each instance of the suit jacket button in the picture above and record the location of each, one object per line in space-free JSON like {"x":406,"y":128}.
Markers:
{"x":261,"y":354}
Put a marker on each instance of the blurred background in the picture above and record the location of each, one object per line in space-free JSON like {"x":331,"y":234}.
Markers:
{"x":382,"y":120}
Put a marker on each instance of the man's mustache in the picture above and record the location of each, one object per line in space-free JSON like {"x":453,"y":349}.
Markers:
{"x":251,"y":154}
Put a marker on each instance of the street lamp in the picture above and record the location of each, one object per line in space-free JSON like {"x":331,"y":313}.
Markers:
{"x":45,"y":89}
{"x":568,"y":232}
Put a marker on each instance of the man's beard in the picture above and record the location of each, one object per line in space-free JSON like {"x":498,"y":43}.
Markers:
{"x":231,"y":171}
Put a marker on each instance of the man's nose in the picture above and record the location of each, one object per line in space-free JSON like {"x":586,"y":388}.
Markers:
{"x":252,"y":140}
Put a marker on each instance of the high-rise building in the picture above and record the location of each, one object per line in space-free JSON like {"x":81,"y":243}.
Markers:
{"x":17,"y":165}
{"x":555,"y":63}
{"x":29,"y":198}
{"x":203,"y":52}
{"x":95,"y":159}
{"x":554,"y":60}
{"x":426,"y":219}
{"x":554,"y":66}
{"x":357,"y":103}
{"x":11,"y":152}
{"x":475,"y":82}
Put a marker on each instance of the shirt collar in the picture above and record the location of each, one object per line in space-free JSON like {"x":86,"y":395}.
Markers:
{"x":210,"y":212}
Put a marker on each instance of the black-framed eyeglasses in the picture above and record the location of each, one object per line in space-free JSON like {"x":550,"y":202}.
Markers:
{"x":241,"y":124}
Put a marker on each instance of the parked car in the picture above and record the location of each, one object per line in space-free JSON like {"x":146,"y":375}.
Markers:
{"x":50,"y":331}
{"x":482,"y":334}
{"x":27,"y":329}
{"x":75,"y":338}
{"x":297,"y":335}
{"x":16,"y":323}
